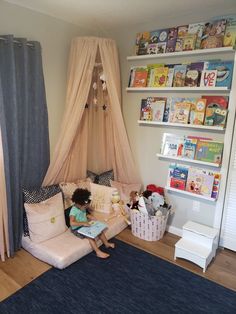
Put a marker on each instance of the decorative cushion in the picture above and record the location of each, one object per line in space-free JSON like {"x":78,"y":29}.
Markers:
{"x":68,"y":189}
{"x":101,"y":198}
{"x":124,"y":189}
{"x":46,"y":219}
{"x":37,"y":195}
{"x":102,"y":178}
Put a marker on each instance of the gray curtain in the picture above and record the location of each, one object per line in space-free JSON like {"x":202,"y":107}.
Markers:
{"x":24,"y":125}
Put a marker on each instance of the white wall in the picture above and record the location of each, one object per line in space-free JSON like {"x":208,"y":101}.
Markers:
{"x":55,"y":37}
{"x":145,"y":140}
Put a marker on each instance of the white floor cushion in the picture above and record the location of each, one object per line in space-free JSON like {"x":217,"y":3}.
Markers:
{"x":65,"y":249}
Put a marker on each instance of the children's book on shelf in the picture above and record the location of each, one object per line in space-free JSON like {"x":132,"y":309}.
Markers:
{"x":154,"y":35}
{"x":216,"y":184}
{"x":172,"y":145}
{"x":170,"y":75}
{"x":181,"y":113}
{"x":151,"y":68}
{"x":230,"y":32}
{"x":160,"y":77}
{"x":209,"y":151}
{"x":95,"y":228}
{"x":152,"y":49}
{"x":141,"y":44}
{"x":157,"y":105}
{"x":213,"y":34}
{"x":199,"y":182}
{"x":224,"y":72}
{"x":189,"y":148}
{"x":196,"y":29}
{"x":182,"y":32}
{"x":163,"y":35}
{"x":216,"y":110}
{"x":179,"y":75}
{"x":170,"y":107}
{"x":197,"y":112}
{"x":208,"y":78}
{"x":140,"y":77}
{"x":189,"y":42}
{"x":178,"y":176}
{"x":193,"y":74}
{"x":145,"y":111}
{"x":171,"y":40}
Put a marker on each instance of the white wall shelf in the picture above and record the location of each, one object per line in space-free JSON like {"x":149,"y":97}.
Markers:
{"x":206,"y":198}
{"x":192,"y":161}
{"x":183,"y":53}
{"x":211,"y":90}
{"x":182,"y":125}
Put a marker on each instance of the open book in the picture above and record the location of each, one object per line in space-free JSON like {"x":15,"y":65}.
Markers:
{"x":95,"y":228}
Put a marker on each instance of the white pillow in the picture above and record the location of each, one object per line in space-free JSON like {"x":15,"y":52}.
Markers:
{"x":46,"y":219}
{"x":101,"y":198}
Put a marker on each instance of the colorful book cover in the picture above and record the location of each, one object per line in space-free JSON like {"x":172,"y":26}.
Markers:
{"x":177,"y":184}
{"x":179,"y":75}
{"x":216,"y":184}
{"x":131,"y":77}
{"x":140,"y":77}
{"x":193,"y":74}
{"x":170,"y":106}
{"x":196,"y":29}
{"x":154,"y":35}
{"x":230,"y":32}
{"x":197,"y":112}
{"x":189,"y":42}
{"x":171,"y":40}
{"x":199,"y":182}
{"x":209,"y":151}
{"x":145,"y":111}
{"x":208,"y":78}
{"x":160,"y":77}
{"x":95,"y":228}
{"x":182,"y":32}
{"x":163,"y":35}
{"x":189,"y":149}
{"x":151,"y":68}
{"x":213,"y":34}
{"x":172,"y":145}
{"x":141,"y":44}
{"x":180,"y":172}
{"x":182,"y":111}
{"x":152,"y":49}
{"x":158,"y":105}
{"x":170,"y":75}
{"x":161,"y":47}
{"x":224,"y":72}
{"x":216,"y":110}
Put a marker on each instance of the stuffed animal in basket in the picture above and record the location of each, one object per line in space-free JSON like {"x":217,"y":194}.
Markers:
{"x":133,"y":200}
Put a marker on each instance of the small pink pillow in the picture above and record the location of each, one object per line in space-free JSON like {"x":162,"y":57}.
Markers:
{"x":124,"y":189}
{"x":101,"y":198}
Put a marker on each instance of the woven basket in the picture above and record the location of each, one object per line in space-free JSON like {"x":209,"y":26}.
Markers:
{"x":149,"y":228}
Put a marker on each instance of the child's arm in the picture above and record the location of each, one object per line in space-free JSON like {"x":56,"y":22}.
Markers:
{"x":75,"y":223}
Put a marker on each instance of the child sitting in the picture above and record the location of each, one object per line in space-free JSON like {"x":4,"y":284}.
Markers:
{"x":79,"y":216}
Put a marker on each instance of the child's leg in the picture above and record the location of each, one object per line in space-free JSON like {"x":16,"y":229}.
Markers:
{"x":105,"y":241}
{"x":99,"y":253}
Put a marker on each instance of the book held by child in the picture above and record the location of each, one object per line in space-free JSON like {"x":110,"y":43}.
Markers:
{"x":95,"y":228}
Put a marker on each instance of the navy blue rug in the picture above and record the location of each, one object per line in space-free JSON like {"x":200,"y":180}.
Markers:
{"x":130,"y":281}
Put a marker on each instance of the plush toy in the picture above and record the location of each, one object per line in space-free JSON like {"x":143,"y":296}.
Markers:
{"x":118,"y":207}
{"x":133,"y":201}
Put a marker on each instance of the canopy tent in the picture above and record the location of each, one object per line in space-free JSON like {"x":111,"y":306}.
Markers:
{"x":93,"y":136}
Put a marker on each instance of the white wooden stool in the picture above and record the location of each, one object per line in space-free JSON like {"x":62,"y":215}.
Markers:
{"x":198,"y":244}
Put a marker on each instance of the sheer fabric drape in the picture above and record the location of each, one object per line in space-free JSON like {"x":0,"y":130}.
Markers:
{"x":79,"y":140}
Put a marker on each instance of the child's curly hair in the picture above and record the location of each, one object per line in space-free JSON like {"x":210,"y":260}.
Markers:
{"x":81,"y":196}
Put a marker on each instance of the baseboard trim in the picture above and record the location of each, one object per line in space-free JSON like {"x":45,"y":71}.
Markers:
{"x":174,"y":230}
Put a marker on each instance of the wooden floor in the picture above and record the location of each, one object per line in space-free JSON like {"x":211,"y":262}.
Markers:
{"x":16,"y":272}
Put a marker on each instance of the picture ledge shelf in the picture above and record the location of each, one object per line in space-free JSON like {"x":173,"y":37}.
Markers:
{"x":182,"y":53}
{"x":194,"y":161}
{"x":179,"y":89}
{"x":190,"y":194}
{"x":191,"y":126}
